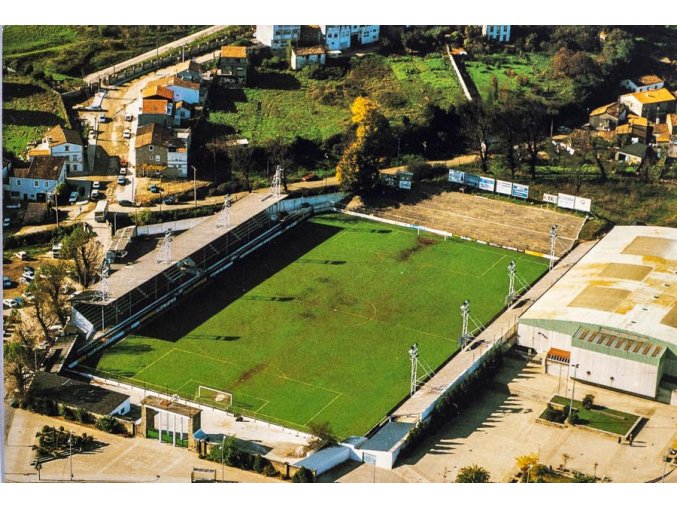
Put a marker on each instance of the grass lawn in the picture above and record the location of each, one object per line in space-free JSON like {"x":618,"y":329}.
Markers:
{"x":534,"y":67}
{"x":600,"y":418}
{"x":290,"y":104}
{"x":29,"y":108}
{"x":316,"y":325}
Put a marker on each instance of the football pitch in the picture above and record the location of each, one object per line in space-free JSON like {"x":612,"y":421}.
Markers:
{"x":316,"y":325}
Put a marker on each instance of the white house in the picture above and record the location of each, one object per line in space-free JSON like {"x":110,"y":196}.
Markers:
{"x":643,"y":83}
{"x":181,"y":89}
{"x":338,"y":37}
{"x":277,"y":37}
{"x":500,"y":33}
{"x":60,"y":142}
{"x":39,"y":180}
{"x":301,"y":57}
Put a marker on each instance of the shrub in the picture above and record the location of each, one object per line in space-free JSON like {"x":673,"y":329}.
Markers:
{"x":66,"y":413}
{"x":81,"y":415}
{"x":303,"y":475}
{"x":588,"y":401}
{"x":108,"y":424}
{"x":574,"y":418}
{"x":554,"y":415}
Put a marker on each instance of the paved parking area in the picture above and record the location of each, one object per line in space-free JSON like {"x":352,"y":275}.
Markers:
{"x":122,"y":460}
{"x":501,"y":425}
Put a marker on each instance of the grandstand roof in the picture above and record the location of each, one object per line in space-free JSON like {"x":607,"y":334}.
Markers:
{"x":628,"y":281}
{"x":185,"y":244}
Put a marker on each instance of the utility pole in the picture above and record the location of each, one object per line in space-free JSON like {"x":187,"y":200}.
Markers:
{"x":56,"y":208}
{"x":223,"y":468}
{"x":194,"y":185}
{"x":573,"y":389}
{"x":70,"y":456}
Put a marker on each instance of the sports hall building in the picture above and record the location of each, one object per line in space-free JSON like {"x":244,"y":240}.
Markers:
{"x":612,"y":319}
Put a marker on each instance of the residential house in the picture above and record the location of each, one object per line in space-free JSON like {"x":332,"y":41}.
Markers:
{"x":636,"y":129}
{"x":277,"y":37}
{"x":632,"y":153}
{"x":182,"y":90}
{"x":300,"y":57}
{"x":160,"y":111}
{"x":182,"y":112}
{"x":338,"y":37}
{"x":61,"y":142}
{"x":189,"y":70}
{"x":159,"y":149}
{"x":661,"y":134}
{"x":39,"y":180}
{"x":499,"y":33}
{"x":233,"y":65}
{"x":310,"y":35}
{"x":643,"y":83}
{"x":671,"y":121}
{"x":654,"y":105}
{"x":608,"y":117}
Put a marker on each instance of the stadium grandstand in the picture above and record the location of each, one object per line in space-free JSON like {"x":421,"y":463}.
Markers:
{"x":612,"y":319}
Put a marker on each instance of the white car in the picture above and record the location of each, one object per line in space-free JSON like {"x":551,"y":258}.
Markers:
{"x":123,"y":171}
{"x":10,"y":303}
{"x":96,"y":185}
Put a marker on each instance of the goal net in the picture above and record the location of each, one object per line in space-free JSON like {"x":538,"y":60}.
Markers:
{"x":214,"y":397}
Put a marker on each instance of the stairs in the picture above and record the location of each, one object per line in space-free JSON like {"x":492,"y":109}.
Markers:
{"x":409,"y":474}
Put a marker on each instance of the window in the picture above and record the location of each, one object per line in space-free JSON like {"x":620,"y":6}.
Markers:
{"x":18,"y":182}
{"x":66,"y":148}
{"x":151,"y":147}
{"x":157,"y":158}
{"x":46,"y":184}
{"x":36,"y":183}
{"x":68,"y":168}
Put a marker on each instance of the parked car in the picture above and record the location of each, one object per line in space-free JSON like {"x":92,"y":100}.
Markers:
{"x":103,"y":118}
{"x":9,"y":303}
{"x":127,"y":134}
{"x":128,"y":117}
{"x":123,"y":171}
{"x":6,"y":222}
{"x":96,"y":185}
{"x":170,"y":199}
{"x":6,"y":282}
{"x":29,"y":269}
{"x":95,"y":195}
{"x":21,"y":255}
{"x":125,"y":203}
{"x":122,"y":180}
{"x":154,"y":188}
{"x":73,"y":198}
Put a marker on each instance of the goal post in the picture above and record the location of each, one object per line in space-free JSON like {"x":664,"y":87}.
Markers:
{"x":214,"y":397}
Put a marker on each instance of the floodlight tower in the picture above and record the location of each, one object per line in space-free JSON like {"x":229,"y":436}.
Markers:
{"x":413,"y":355}
{"x":224,"y":214}
{"x":553,"y":241}
{"x":512,"y":270}
{"x":164,"y":255}
{"x":465,"y":314}
{"x":276,"y":183}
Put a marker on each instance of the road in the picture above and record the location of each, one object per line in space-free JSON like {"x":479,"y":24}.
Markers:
{"x":92,"y":78}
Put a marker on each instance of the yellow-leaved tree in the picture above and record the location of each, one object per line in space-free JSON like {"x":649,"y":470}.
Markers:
{"x":357,"y":169}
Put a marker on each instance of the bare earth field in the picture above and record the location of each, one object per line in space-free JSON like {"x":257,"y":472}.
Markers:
{"x":497,"y":221}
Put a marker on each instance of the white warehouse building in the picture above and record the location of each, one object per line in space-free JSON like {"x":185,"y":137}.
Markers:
{"x":339,"y":37}
{"x":612,"y":319}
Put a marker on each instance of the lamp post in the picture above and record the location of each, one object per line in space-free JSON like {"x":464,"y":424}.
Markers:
{"x":573,"y":389}
{"x":70,"y":455}
{"x":194,"y":185}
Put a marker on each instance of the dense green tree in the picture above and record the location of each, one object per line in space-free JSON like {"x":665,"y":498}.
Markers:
{"x":86,"y":252}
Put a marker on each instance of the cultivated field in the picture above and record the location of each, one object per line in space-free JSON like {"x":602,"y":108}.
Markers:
{"x":473,"y":215}
{"x":316,"y":326}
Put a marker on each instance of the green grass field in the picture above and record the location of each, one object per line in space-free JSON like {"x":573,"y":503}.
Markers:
{"x":29,"y":108}
{"x":288,"y":103}
{"x":316,"y":325}
{"x":600,"y":418}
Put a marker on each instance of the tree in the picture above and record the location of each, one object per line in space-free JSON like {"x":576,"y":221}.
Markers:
{"x":46,"y":288}
{"x":358,"y":168}
{"x":86,"y":252}
{"x":19,"y":362}
{"x":240,"y":161}
{"x":473,"y":473}
{"x":303,"y":475}
{"x":477,"y":124}
{"x":322,"y":435}
{"x":534,"y":114}
{"x":509,"y":132}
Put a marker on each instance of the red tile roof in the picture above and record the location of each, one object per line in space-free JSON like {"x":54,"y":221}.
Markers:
{"x":154,"y":106}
